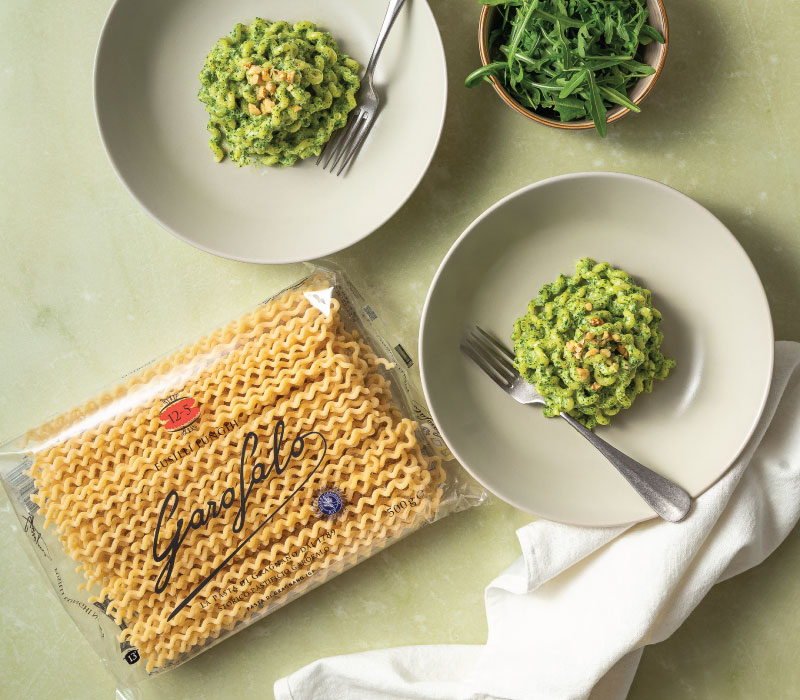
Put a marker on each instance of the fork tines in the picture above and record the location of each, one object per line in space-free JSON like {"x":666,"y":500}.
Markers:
{"x":491,"y":356}
{"x":346,"y":142}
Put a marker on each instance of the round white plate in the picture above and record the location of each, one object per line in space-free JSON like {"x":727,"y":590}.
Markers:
{"x":154,"y":128}
{"x":716,"y":325}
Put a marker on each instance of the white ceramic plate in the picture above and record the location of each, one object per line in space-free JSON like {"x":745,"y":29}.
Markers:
{"x":716,"y":325}
{"x":154,"y":127}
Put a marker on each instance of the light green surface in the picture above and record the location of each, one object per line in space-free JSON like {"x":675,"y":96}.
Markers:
{"x":91,"y":287}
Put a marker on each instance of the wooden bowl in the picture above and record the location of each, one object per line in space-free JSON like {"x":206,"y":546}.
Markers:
{"x":655,"y":54}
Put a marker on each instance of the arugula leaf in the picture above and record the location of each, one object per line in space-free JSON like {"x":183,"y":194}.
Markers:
{"x":554,"y":17}
{"x":573,"y":84}
{"x":483,"y":73}
{"x":596,"y":107}
{"x":569,"y":113}
{"x":516,"y":34}
{"x":596,"y":63}
{"x":653,"y":33}
{"x":608,"y":31}
{"x":617,"y":97}
{"x":583,"y":35}
{"x":540,"y":86}
{"x":639,"y":67}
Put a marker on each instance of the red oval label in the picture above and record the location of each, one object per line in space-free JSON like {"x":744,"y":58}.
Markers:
{"x":179,"y":414}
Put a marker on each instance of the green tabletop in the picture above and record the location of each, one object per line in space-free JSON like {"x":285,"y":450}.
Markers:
{"x":91,"y":287}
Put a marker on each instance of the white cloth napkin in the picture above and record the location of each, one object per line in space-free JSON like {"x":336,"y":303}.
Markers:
{"x":569,"y":619}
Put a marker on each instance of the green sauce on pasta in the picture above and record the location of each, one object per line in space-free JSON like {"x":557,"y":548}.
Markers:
{"x":590,"y":343}
{"x":275,"y":92}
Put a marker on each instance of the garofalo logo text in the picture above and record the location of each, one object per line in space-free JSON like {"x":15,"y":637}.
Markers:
{"x":232,"y":497}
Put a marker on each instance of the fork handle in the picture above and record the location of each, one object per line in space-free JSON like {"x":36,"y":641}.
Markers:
{"x":391,"y":14}
{"x":667,"y":499}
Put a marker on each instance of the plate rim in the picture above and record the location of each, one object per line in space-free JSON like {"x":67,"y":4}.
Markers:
{"x":764,"y":302}
{"x":278,"y":260}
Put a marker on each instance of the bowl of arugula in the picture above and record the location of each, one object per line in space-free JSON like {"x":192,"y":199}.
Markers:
{"x":574,"y":64}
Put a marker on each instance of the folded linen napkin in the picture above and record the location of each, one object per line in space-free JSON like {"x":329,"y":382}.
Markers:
{"x":570,"y":618}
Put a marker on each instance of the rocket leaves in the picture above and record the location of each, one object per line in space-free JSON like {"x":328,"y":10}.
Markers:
{"x":570,"y":59}
{"x":597,"y":109}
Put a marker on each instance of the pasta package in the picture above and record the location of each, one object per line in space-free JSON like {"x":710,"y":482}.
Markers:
{"x":225,"y":479}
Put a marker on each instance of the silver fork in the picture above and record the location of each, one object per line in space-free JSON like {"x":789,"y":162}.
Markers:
{"x":346,"y":142}
{"x":667,"y":499}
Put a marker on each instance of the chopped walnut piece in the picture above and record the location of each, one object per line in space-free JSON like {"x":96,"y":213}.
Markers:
{"x":616,"y":337}
{"x":605,"y":352}
{"x":261,"y":92}
{"x":588,"y":306}
{"x":594,"y":321}
{"x":290,"y":75}
{"x":583,"y":373}
{"x":622,"y":350}
{"x":595,"y":386}
{"x":253,"y":109}
{"x":266,"y":106}
{"x":296,"y":108}
{"x":591,"y":335}
{"x":591,"y":352}
{"x":270,"y":87}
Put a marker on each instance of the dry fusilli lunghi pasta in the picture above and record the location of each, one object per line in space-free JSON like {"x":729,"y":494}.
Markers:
{"x":234,"y":473}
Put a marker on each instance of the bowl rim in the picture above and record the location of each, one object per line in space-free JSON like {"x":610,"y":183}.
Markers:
{"x":483,"y":48}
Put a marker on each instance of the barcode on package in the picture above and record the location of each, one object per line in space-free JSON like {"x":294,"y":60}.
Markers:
{"x":23,"y":485}
{"x":400,"y":350}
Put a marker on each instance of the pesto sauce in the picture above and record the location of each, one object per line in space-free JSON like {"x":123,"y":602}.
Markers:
{"x":590,"y":343}
{"x":275,"y":92}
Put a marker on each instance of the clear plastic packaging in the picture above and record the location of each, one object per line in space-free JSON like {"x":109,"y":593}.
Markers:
{"x":220,"y":482}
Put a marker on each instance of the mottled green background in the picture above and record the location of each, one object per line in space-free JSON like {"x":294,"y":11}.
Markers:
{"x":91,"y":287}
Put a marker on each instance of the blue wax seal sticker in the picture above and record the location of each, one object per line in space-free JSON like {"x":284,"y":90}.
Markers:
{"x":330,"y":502}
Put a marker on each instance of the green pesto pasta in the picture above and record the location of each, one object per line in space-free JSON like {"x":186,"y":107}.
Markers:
{"x":275,"y":92}
{"x":590,"y":343}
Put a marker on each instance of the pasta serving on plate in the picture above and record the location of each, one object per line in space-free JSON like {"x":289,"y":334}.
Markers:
{"x":275,"y":92}
{"x":591,"y":343}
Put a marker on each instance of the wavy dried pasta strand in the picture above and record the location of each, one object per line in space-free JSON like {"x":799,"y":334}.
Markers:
{"x":104,"y":472}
